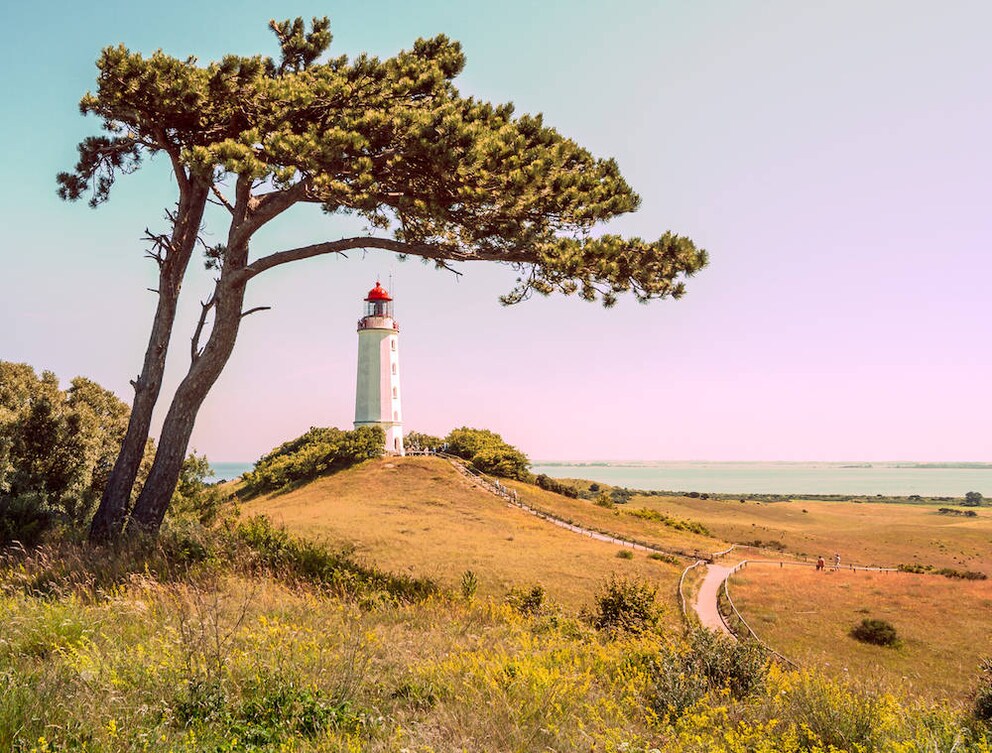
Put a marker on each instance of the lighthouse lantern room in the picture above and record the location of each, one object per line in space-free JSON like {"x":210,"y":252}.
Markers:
{"x":377,"y":399}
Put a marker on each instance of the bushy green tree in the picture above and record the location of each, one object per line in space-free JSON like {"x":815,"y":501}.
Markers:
{"x":488,"y":452}
{"x":318,"y":452}
{"x":57,"y":446}
{"x":435,"y":174}
{"x":973,"y":499}
{"x":416,"y":440}
{"x":195,"y":496}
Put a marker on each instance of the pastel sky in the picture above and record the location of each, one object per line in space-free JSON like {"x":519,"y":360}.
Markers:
{"x":834,"y":158}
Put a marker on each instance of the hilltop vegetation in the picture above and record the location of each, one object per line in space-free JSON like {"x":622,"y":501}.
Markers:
{"x":317,"y":453}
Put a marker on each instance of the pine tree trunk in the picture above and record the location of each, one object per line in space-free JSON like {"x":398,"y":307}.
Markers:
{"x":150,"y":509}
{"x":108,"y":522}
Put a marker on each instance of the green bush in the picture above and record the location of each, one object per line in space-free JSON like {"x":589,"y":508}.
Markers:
{"x":528,"y":601}
{"x":318,"y":452}
{"x":24,"y":519}
{"x":973,"y":499}
{"x":876,"y":632}
{"x":415,"y":440}
{"x":954,"y":574}
{"x":59,"y":445}
{"x":626,"y":606}
{"x":678,"y":524}
{"x":625,"y":554}
{"x":558,"y":487}
{"x":489,"y":453}
{"x":682,"y":673}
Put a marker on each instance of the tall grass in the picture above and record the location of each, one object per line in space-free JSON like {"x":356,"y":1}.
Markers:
{"x":252,"y":642}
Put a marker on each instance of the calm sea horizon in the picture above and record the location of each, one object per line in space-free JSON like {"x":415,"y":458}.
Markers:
{"x":887,"y":478}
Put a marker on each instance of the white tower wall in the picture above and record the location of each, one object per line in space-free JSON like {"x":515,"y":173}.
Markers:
{"x":377,"y":398}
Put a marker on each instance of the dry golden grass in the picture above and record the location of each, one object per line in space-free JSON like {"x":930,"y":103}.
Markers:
{"x":418,"y":515}
{"x":618,"y":521}
{"x":944,"y":626}
{"x":864,"y":533}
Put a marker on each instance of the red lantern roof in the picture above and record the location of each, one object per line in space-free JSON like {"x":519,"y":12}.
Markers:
{"x":378,"y":293}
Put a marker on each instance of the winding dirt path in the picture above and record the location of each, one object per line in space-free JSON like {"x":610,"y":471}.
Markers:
{"x":705,"y":603}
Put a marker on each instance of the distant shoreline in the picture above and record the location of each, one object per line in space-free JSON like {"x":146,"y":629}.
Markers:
{"x":785,"y":478}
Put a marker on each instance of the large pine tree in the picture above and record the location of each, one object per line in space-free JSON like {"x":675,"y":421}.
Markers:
{"x":436,"y":174}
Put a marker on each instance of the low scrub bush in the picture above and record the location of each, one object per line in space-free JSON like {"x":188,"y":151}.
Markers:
{"x":876,"y":632}
{"x":671,"y":559}
{"x":627,"y":606}
{"x":678,"y":524}
{"x":625,"y":554}
{"x":830,"y":715}
{"x":558,"y":487}
{"x":950,"y":572}
{"x":953,"y":511}
{"x":683,"y":673}
{"x":527,"y":601}
{"x":775,"y":546}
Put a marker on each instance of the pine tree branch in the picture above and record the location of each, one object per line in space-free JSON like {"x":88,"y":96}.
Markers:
{"x":346,"y":244}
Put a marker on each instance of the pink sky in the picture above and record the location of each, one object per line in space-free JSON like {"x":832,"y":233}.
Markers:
{"x":833,"y":160}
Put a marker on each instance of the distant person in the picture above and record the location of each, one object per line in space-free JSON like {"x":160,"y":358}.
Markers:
{"x":820,"y":563}
{"x":836,"y":560}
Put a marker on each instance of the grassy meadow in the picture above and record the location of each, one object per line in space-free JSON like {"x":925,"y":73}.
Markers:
{"x":344,"y":624}
{"x":866,"y":533}
{"x":244,"y":639}
{"x":417,"y":515}
{"x":943,"y":625}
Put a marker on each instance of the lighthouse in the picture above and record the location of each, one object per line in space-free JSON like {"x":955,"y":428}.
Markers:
{"x":377,"y":399}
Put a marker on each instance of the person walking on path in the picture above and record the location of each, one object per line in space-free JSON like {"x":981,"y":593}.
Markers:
{"x":820,"y":563}
{"x":837,"y":561}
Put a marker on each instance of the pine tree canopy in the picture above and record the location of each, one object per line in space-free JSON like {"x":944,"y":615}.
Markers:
{"x":435,"y":173}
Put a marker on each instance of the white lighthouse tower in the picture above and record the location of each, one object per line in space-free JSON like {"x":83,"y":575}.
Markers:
{"x":377,"y":399}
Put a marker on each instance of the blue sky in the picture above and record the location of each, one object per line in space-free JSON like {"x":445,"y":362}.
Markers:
{"x":833,"y":158}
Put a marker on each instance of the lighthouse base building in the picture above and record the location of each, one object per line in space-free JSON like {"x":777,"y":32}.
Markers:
{"x":377,"y":398}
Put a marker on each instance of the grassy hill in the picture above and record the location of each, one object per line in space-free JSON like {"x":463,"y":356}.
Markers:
{"x":418,"y":515}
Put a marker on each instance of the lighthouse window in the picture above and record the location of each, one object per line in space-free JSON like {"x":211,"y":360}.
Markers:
{"x":396,"y":392}
{"x":392,"y":344}
{"x":394,"y":369}
{"x":396,"y":415}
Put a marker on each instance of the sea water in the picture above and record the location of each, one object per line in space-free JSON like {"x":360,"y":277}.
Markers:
{"x":890,"y":479}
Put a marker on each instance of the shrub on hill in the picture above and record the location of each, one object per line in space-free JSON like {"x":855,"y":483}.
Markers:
{"x":973,"y":499}
{"x":417,"y":441}
{"x":554,"y":485}
{"x":682,"y":674}
{"x":678,"y":524}
{"x":629,"y":606}
{"x":876,"y":632}
{"x":318,"y":452}
{"x":489,"y":453}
